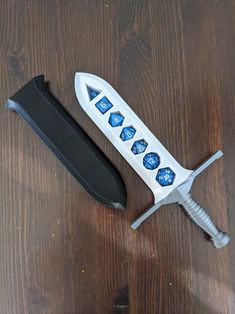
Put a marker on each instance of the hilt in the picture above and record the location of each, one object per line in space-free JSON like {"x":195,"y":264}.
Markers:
{"x":202,"y":219}
{"x":182,"y":196}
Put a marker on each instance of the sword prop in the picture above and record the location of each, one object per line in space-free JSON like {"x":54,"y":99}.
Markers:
{"x":167,"y":179}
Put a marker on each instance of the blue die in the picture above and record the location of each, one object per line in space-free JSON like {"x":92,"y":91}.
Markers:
{"x":116,"y":119}
{"x":165,"y":176}
{"x":139,"y":147}
{"x":151,"y":161}
{"x":103,"y":105}
{"x":127,"y":133}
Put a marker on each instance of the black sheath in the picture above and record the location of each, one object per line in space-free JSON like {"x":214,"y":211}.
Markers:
{"x":61,"y":133}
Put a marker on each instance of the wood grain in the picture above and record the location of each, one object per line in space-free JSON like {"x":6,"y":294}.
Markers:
{"x":60,"y":251}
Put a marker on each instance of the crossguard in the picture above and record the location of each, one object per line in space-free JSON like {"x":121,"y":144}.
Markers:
{"x":182,"y":196}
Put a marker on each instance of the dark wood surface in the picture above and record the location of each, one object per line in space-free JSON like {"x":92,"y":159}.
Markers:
{"x":60,"y":251}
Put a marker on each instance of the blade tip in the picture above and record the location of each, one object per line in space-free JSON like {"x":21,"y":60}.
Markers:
{"x":77,"y":75}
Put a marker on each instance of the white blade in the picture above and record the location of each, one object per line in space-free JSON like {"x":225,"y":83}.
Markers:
{"x":137,"y":144}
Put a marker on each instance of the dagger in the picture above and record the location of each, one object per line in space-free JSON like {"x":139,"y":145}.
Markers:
{"x":71,"y":145}
{"x":168,"y":180}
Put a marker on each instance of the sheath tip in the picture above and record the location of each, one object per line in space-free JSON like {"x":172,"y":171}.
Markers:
{"x":118,"y":206}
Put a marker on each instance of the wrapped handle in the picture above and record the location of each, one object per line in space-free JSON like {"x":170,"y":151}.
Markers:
{"x":202,"y":219}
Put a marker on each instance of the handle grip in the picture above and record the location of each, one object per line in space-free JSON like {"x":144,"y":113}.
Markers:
{"x":202,"y":219}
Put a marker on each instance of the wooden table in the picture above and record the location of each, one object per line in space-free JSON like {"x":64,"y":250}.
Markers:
{"x":62,"y":252}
